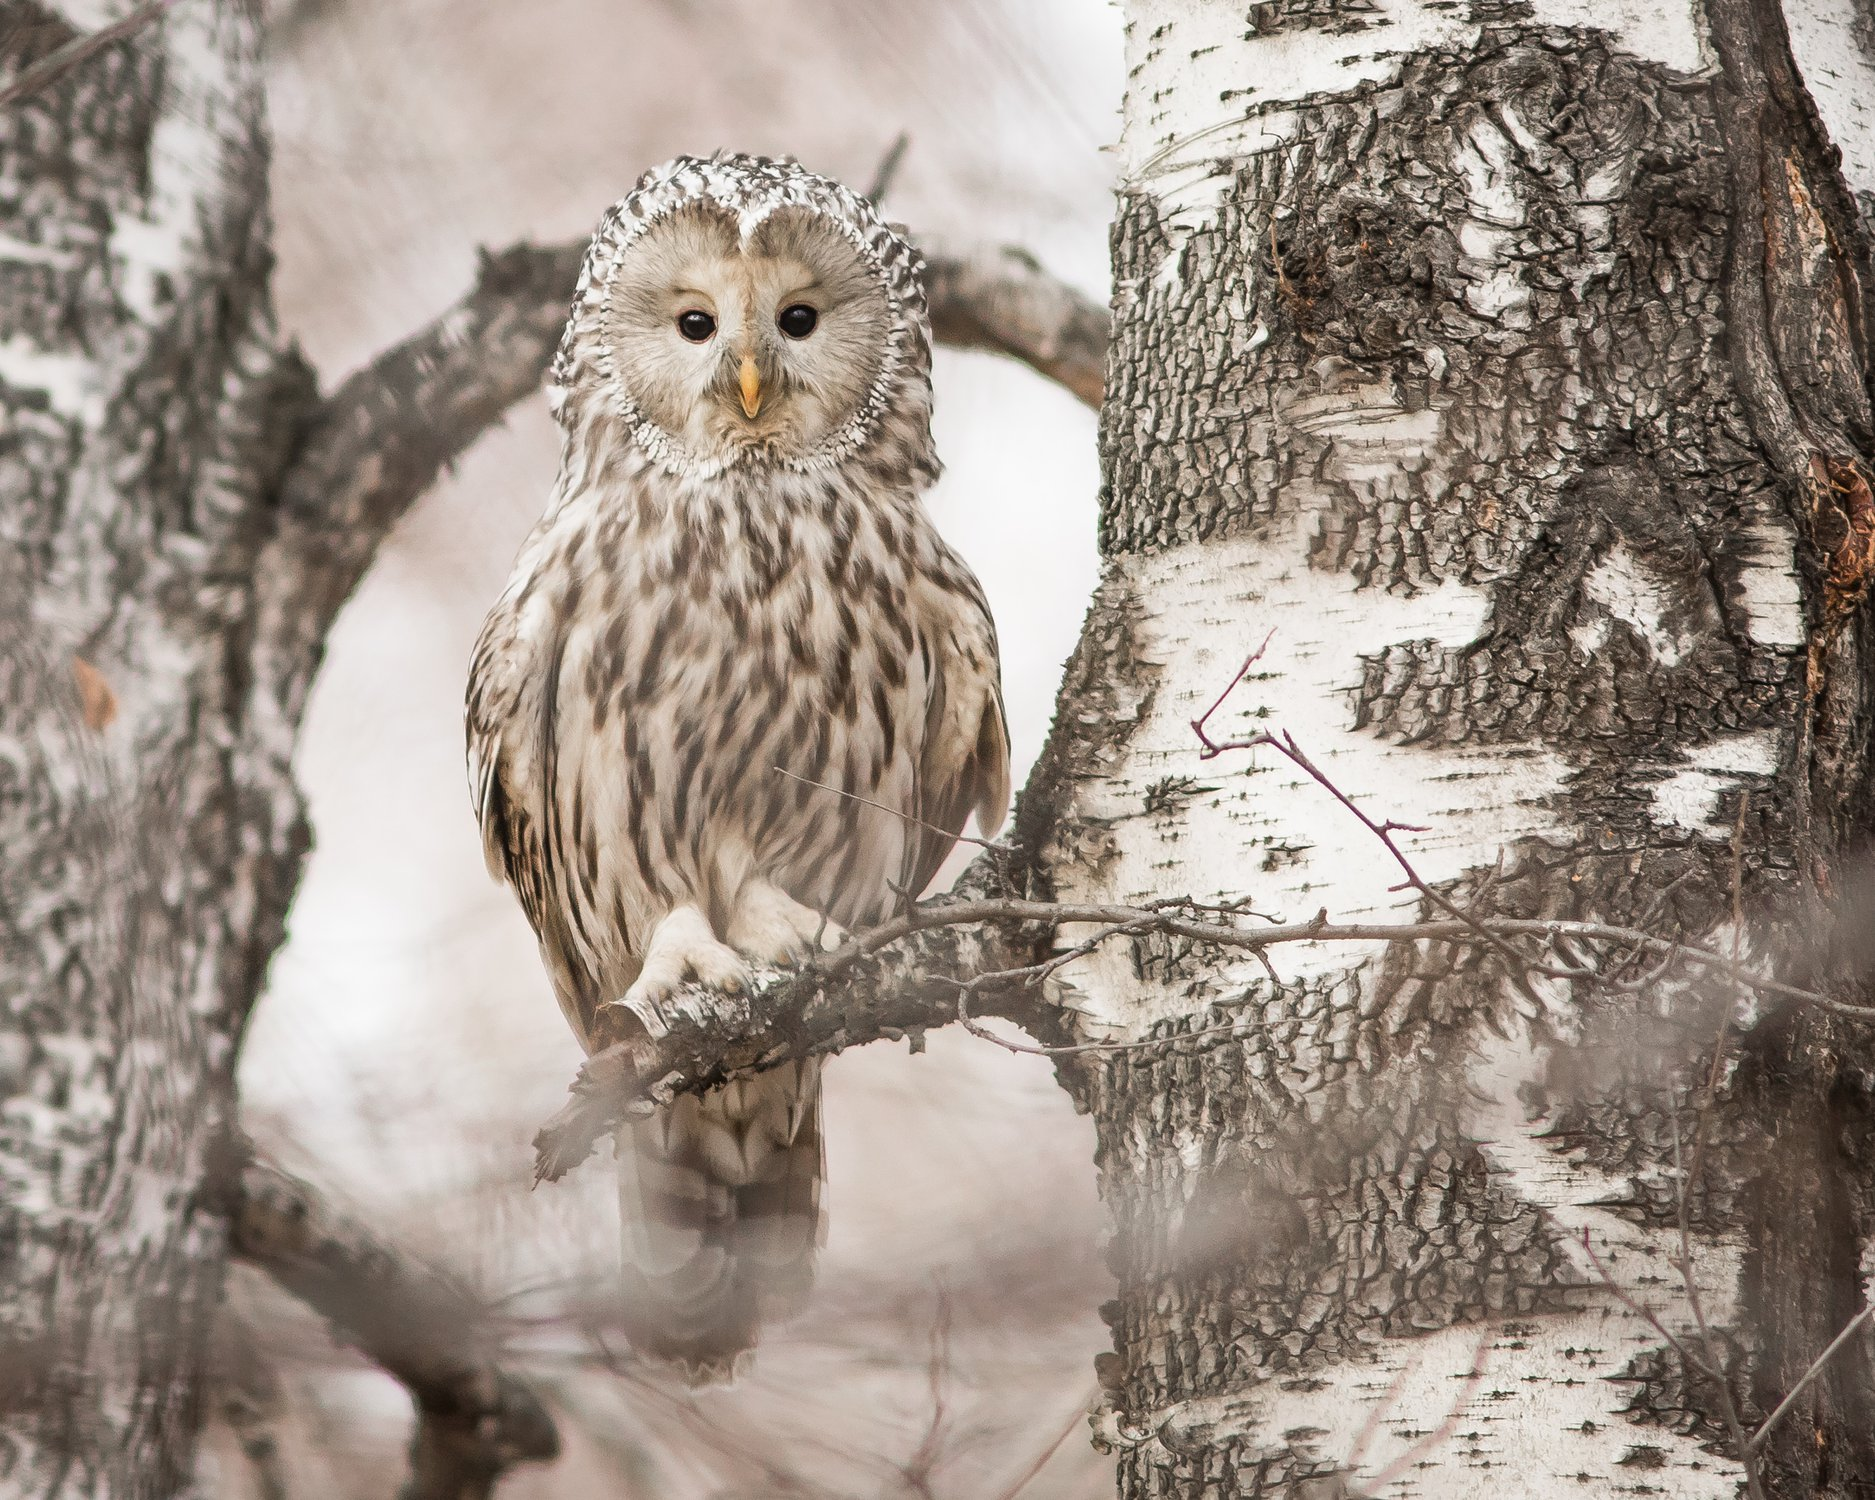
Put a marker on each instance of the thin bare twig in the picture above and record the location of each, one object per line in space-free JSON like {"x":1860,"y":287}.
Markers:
{"x":1686,"y":1176}
{"x":61,"y":60}
{"x":1640,"y":1310}
{"x":1318,"y":929}
{"x":1816,"y":1369}
{"x":1445,"y":1429}
{"x":921,"y":1468}
{"x":1286,"y":746}
{"x":1728,"y":1408}
{"x":888,"y":168}
{"x":1076,"y":1418}
{"x":896,"y":812}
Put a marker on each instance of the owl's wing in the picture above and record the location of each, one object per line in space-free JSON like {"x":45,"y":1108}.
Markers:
{"x":509,"y":724}
{"x":964,"y":768}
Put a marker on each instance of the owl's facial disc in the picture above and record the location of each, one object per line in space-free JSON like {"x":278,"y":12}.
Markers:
{"x":764,"y":348}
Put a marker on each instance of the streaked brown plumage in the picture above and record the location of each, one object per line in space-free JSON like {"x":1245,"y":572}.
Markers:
{"x":735,"y":574}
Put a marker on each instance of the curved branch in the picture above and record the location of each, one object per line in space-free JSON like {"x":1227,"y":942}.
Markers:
{"x":1004,"y":301}
{"x":380,"y":440}
{"x":474,"y":1422}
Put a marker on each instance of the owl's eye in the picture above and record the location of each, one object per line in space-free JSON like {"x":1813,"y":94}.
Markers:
{"x":696,"y":326}
{"x":797,"y":320}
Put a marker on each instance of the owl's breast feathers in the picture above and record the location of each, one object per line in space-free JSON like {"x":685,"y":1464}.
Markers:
{"x":692,"y":682}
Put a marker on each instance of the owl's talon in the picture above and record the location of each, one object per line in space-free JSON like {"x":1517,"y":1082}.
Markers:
{"x":682,"y":949}
{"x":773,"y":930}
{"x":647,"y":1013}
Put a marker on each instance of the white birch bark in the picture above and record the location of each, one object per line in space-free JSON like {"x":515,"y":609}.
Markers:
{"x":1426,"y":367}
{"x":151,"y":830}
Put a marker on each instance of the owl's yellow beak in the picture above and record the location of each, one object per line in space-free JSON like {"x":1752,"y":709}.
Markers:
{"x":751,"y":387}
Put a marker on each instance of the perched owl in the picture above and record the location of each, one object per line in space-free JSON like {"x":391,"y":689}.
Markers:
{"x":735,"y":578}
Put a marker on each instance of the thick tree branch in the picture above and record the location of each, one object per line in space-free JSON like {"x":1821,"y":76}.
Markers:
{"x":474,"y":1422}
{"x":1004,"y":301}
{"x":379,"y":441}
{"x":381,"y":438}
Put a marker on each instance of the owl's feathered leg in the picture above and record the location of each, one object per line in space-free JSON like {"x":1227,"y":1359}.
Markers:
{"x":770,"y":928}
{"x":682,"y":947}
{"x":720,"y":1192}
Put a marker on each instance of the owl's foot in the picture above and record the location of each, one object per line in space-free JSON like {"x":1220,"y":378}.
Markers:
{"x":773,"y":930}
{"x":682,"y":948}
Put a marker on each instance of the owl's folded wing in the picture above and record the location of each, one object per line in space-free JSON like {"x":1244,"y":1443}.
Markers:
{"x":965,"y":765}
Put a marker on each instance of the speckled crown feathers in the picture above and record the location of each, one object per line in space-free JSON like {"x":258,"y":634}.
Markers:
{"x":752,"y":187}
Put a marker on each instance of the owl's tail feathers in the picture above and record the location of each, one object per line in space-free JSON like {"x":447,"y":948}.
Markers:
{"x":719,"y":1200}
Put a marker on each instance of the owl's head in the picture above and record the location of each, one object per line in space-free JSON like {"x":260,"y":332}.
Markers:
{"x":739,"y":310}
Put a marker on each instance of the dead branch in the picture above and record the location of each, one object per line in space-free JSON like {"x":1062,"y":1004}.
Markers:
{"x":474,"y":1422}
{"x":1076,"y":1418}
{"x":887,"y":171}
{"x":944,"y":949}
{"x":1803,"y":1384}
{"x":855,"y":996}
{"x":1686,"y":1178}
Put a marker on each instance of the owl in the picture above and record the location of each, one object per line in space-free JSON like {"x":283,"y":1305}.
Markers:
{"x":738,"y":691}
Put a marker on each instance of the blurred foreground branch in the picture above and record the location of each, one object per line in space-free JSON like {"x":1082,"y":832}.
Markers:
{"x":474,"y":1422}
{"x":49,"y":69}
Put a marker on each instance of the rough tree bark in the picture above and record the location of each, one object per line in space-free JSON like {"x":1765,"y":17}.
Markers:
{"x":1507,"y":365}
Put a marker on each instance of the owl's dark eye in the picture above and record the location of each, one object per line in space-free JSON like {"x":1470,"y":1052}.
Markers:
{"x":797,"y":320}
{"x":696,"y":326}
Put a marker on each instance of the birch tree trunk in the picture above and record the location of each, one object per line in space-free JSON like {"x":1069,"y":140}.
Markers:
{"x":180,"y":519}
{"x":1505,"y":365}
{"x":151,"y":830}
